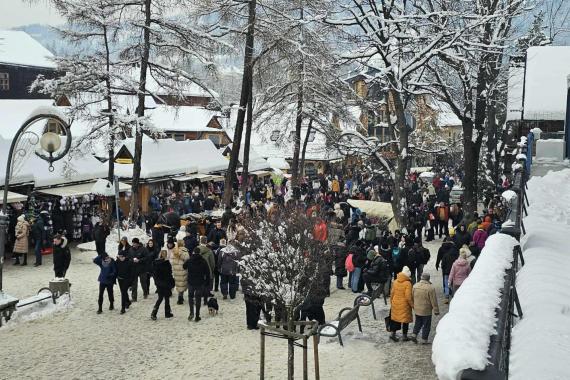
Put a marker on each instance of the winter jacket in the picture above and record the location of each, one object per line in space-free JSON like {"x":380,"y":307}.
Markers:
{"x":336,"y":233}
{"x":442,"y":213}
{"x":208,"y":256}
{"x":459,"y":272}
{"x":144,"y":263}
{"x":227,"y":261}
{"x":358,"y":257}
{"x":180,"y":275}
{"x":61,"y":256}
{"x":108,"y":272}
{"x":479,"y":238}
{"x":446,"y":255}
{"x":100,"y":233}
{"x":320,"y":232}
{"x":339,"y":251}
{"x":198,"y":271}
{"x":472,"y":227}
{"x":124,"y":270}
{"x":190,"y":242}
{"x":163,"y":279}
{"x":216,"y":235}
{"x":38,"y":231}
{"x":401,"y":299}
{"x":124,"y":249}
{"x":22,"y":231}
{"x":377,"y":271}
{"x":425,"y":301}
{"x":461,"y":238}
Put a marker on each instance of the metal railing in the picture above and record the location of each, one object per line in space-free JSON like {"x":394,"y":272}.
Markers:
{"x":500,"y":343}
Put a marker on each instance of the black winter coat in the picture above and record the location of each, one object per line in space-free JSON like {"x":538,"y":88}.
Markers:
{"x":198,"y":271}
{"x":340,"y":253}
{"x":446,"y":256}
{"x":145,"y":260}
{"x":163,"y":277}
{"x":378,"y":271}
{"x":190,"y":242}
{"x":61,"y":257}
{"x":215,"y":235}
{"x":124,"y":270}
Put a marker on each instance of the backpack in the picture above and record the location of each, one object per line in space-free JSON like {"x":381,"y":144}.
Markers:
{"x":396,"y":255}
{"x":348,"y":263}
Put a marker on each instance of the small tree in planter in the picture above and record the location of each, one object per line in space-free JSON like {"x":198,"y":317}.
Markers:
{"x":285,"y":264}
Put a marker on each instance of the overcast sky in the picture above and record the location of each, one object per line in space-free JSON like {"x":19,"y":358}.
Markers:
{"x":19,"y":12}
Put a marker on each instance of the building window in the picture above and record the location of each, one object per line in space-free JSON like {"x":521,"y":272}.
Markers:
{"x":215,"y":139}
{"x":274,"y":135}
{"x":178,"y":136}
{"x":4,"y":82}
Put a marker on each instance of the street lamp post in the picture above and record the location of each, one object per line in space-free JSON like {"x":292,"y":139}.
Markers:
{"x":50,"y":144}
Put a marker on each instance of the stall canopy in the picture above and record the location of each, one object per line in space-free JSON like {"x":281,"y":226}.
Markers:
{"x":83,"y":189}
{"x":13,"y":197}
{"x":376,"y":210}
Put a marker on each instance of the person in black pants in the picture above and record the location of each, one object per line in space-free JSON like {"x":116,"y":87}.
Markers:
{"x":198,"y":282}
{"x":107,"y":278}
{"x":164,"y":283}
{"x":125,"y":277}
{"x":252,"y":305}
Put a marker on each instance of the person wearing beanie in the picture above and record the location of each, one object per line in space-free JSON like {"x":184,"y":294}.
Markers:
{"x":124,"y":246}
{"x":125,"y":279}
{"x":140,"y":258}
{"x":459,"y":271}
{"x":425,"y":303}
{"x":61,"y":256}
{"x":401,"y":302}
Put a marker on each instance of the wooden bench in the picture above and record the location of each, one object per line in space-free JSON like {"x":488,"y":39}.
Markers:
{"x":43,"y":294}
{"x":334,"y":328}
{"x":366,"y":299}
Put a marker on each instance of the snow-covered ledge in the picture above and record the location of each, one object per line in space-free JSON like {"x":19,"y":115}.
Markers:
{"x":464,"y":333}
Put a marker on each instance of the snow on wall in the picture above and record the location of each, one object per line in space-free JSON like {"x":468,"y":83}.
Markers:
{"x":541,"y":340}
{"x":463,"y":335}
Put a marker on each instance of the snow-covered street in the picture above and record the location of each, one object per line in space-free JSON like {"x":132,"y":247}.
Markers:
{"x":78,"y":343}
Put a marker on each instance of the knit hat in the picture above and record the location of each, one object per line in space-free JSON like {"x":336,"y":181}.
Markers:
{"x":451,"y":231}
{"x":407,"y":272}
{"x":426,"y":276}
{"x":21,"y":218}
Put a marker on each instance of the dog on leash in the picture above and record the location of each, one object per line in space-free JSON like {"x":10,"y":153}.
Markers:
{"x":213,"y":306}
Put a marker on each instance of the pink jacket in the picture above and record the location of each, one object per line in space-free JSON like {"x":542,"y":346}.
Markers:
{"x":479,"y":238}
{"x":459,"y":272}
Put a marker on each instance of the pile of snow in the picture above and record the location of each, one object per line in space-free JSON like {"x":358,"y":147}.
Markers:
{"x":463,"y":335}
{"x":39,"y":310}
{"x":509,"y":195}
{"x":113,"y":239}
{"x":553,"y":148}
{"x":541,"y":340}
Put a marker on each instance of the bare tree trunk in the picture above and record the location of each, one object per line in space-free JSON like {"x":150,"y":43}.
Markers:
{"x":246,"y":83}
{"x":297,"y":141}
{"x":111,"y":150}
{"x":140,"y":112}
{"x":246,"y":144}
{"x":304,"y":151}
{"x":399,"y":196}
{"x":290,"y":345}
{"x":471,"y":158}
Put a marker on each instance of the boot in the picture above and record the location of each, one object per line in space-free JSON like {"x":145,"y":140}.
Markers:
{"x":168,"y":314}
{"x":123,"y":311}
{"x":17,"y":256}
{"x":100,"y":310}
{"x":153,"y":314}
{"x":414,"y":338}
{"x":405,"y":338}
{"x":25,"y":258}
{"x":111,"y":306}
{"x":191,"y":315}
{"x":180,"y":299}
{"x":393,"y":337}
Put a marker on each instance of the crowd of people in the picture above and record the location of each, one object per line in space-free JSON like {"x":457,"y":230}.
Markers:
{"x":366,"y":254}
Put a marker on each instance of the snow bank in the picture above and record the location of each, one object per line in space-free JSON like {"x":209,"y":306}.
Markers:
{"x":112,"y":243}
{"x":553,"y":148}
{"x":39,"y":310}
{"x":541,"y":340}
{"x":463,"y":335}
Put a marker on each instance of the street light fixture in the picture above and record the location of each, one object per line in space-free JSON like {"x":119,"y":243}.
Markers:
{"x":50,"y":151}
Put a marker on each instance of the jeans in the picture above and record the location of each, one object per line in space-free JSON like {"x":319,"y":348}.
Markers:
{"x":339,"y":280}
{"x":355,"y":279}
{"x":124,"y":288}
{"x":38,"y":252}
{"x":446,"y":285}
{"x":135,"y":285}
{"x":102,"y":288}
{"x":195,"y":294}
{"x":167,"y":309}
{"x":423,"y":323}
{"x":229,"y":285}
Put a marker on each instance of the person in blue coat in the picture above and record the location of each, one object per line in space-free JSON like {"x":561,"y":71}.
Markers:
{"x":107,"y":277}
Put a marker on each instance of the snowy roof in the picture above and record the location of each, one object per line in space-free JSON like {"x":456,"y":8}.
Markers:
{"x":445,"y":116}
{"x":278,"y":163}
{"x":30,"y":168}
{"x":165,"y":157}
{"x":15,"y":111}
{"x":183,"y":119}
{"x":19,"y":48}
{"x":547,"y":68}
{"x":256,"y":161}
{"x":515,"y":93}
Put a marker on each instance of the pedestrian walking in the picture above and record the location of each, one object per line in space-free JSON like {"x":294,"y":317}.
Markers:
{"x":125,"y":279}
{"x":61,"y":256}
{"x":140,"y":258}
{"x":179,"y":257}
{"x":107,"y":277}
{"x":198,"y":275}
{"x":425,"y":304}
{"x":162,"y":272}
{"x":401,"y":302}
{"x":459,"y":271}
{"x":228,"y":269}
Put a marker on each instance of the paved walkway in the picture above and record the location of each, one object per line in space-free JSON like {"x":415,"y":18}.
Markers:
{"x":81,"y":344}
